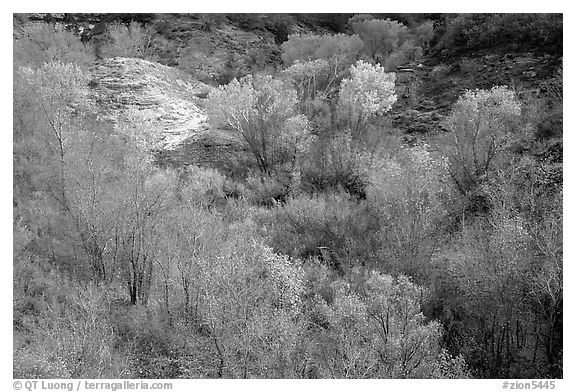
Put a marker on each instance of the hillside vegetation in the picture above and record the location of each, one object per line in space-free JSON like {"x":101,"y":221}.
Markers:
{"x":288,"y":196}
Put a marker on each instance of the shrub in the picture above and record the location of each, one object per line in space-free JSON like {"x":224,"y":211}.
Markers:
{"x":407,"y":195}
{"x":377,"y":331}
{"x":133,"y":40}
{"x":380,"y":37}
{"x":481,"y":264}
{"x":359,"y":18}
{"x":153,"y":346}
{"x":311,"y":78}
{"x":71,"y":336}
{"x":339,"y":50}
{"x":369,"y":92}
{"x":331,"y":227}
{"x":405,"y":53}
{"x":265,"y":190}
{"x":249,"y":22}
{"x":480,"y":126}
{"x":336,"y":163}
{"x":209,"y":22}
{"x":425,"y":33}
{"x":280,"y":25}
{"x":40,"y":43}
{"x":262,"y":112}
{"x":201,"y":186}
{"x":316,"y":64}
{"x":249,"y":307}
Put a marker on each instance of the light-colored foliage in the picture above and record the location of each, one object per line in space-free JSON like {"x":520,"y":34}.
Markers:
{"x":145,"y":198}
{"x":367,"y":93}
{"x":40,"y":43}
{"x":380,"y":333}
{"x":480,"y":126}
{"x":339,"y":50}
{"x":359,"y":18}
{"x":249,"y":301}
{"x":134,"y":40}
{"x":262,"y":112}
{"x":316,"y":65}
{"x":311,"y":78}
{"x":70,"y":335}
{"x":406,"y":193}
{"x":204,"y":186}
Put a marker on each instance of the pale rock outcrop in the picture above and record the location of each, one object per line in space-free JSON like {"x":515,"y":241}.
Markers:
{"x":156,"y":100}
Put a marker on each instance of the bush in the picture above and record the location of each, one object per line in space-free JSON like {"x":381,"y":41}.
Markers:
{"x":405,"y":53}
{"x":334,"y":164}
{"x":201,"y":187}
{"x":261,"y":111}
{"x":133,"y":40}
{"x":280,"y":25}
{"x":316,"y":64}
{"x":380,"y":37}
{"x":40,"y":43}
{"x":425,"y":33}
{"x":249,"y":308}
{"x":378,"y":331}
{"x":70,"y":335}
{"x":331,"y":227}
{"x":311,"y":78}
{"x":368,"y":93}
{"x":339,"y":50}
{"x":153,"y":345}
{"x":265,"y":191}
{"x":407,"y":194}
{"x":480,"y":127}
{"x":481,"y":264}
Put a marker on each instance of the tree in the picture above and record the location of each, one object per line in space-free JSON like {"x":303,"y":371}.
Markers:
{"x":340,"y":50}
{"x":378,"y":331}
{"x":262,"y":112}
{"x":94,"y":175}
{"x":249,"y":305}
{"x":40,"y":43}
{"x":480,"y":126}
{"x":521,"y":191}
{"x":369,"y":92}
{"x":407,"y":193}
{"x":96,"y":186}
{"x":315,"y":65}
{"x":63,"y":158}
{"x":142,"y":198}
{"x":311,"y":78}
{"x":359,"y":18}
{"x":424,"y":33}
{"x":380,"y":37}
{"x":48,"y":104}
{"x":134,"y":40}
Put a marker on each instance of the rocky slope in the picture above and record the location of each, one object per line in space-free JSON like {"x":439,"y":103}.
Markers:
{"x":153,"y":98}
{"x":165,"y":97}
{"x":427,"y":91}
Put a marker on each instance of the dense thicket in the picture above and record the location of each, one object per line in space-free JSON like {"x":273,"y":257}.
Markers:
{"x":344,"y":252}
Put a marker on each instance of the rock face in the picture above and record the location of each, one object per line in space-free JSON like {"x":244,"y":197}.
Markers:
{"x":165,"y":98}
